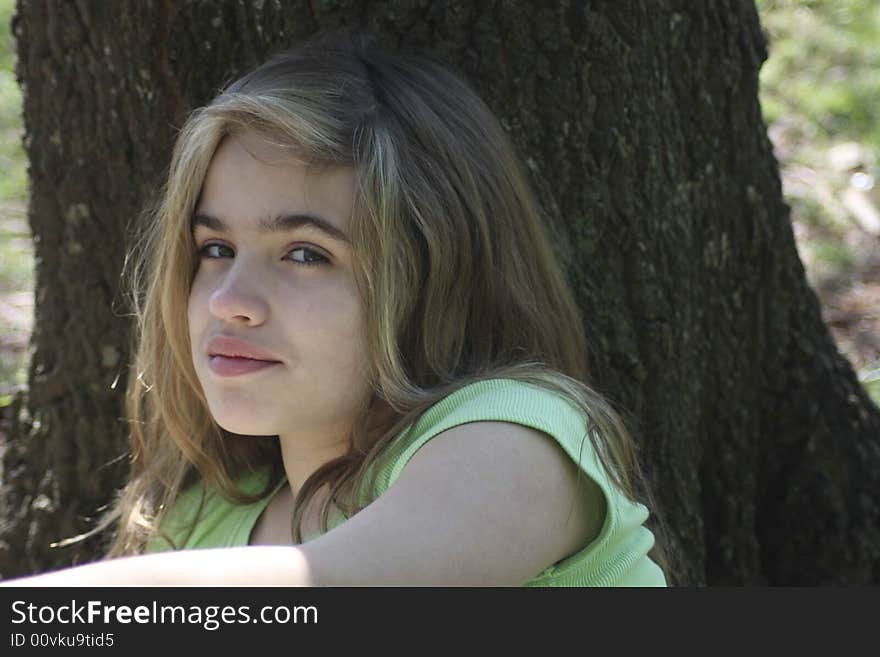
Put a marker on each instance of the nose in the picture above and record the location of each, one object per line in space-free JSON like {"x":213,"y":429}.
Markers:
{"x":239,"y":297}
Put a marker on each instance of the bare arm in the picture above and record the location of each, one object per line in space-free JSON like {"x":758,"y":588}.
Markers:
{"x":253,"y":566}
{"x":485,"y":503}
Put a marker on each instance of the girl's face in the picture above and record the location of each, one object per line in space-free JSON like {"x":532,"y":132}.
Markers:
{"x":275,"y":321}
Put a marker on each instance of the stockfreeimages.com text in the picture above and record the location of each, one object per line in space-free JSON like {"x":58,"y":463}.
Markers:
{"x":211,"y":617}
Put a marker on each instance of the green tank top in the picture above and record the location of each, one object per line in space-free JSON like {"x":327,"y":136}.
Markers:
{"x":618,"y":556}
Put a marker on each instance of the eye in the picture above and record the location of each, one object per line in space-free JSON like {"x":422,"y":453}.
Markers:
{"x":212,"y":251}
{"x":301,"y":255}
{"x":308,"y":257}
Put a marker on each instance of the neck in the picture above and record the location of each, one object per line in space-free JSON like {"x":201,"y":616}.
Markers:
{"x":302,"y":458}
{"x":304,"y":454}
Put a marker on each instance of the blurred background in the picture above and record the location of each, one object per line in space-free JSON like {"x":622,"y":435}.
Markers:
{"x":820,"y":92}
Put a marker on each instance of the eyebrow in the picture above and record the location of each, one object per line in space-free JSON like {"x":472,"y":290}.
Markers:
{"x":279,"y":224}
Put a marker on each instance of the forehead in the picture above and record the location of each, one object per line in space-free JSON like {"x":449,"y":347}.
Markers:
{"x":251,"y":181}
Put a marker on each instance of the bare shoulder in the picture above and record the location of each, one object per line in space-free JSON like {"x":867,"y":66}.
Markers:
{"x":483,"y":503}
{"x":535,"y":485}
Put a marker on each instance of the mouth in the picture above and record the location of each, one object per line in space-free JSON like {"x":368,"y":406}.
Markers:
{"x":230,"y":355}
{"x":225,"y":366}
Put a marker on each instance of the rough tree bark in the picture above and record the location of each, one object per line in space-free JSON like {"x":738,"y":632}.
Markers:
{"x":641,"y":124}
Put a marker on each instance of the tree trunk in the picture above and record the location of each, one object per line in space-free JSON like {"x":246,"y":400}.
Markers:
{"x":641,"y":124}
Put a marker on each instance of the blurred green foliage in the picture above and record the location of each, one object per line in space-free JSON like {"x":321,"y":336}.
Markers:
{"x":820,"y":95}
{"x":7,"y":57}
{"x":873,"y":386}
{"x":824,"y":66}
{"x":16,"y":250}
{"x":13,"y":163}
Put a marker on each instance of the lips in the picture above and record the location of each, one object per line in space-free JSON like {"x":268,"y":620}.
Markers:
{"x":232,"y":357}
{"x":229,"y":347}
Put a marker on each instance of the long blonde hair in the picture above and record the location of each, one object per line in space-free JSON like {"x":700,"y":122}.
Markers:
{"x":456,"y":274}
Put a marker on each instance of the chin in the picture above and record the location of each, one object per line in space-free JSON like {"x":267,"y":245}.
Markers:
{"x":244,"y":424}
{"x":240,"y":411}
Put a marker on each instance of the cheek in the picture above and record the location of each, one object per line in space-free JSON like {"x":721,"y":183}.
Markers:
{"x":341,"y":327}
{"x":354,"y":336}
{"x":196,"y":309}
{"x":350,"y":317}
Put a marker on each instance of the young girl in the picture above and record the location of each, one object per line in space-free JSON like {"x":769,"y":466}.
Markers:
{"x":358,"y":361}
